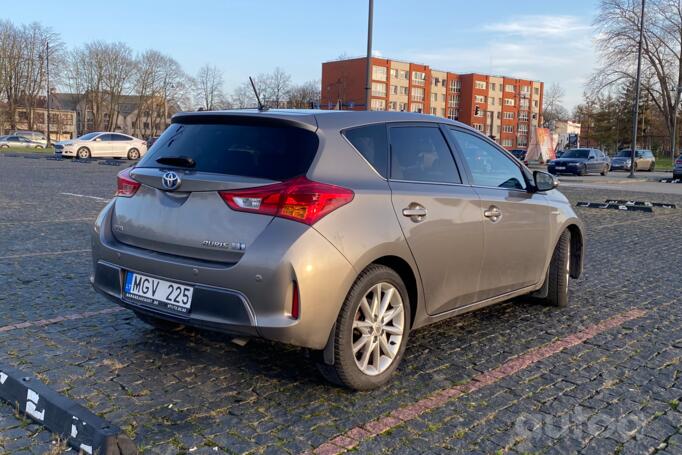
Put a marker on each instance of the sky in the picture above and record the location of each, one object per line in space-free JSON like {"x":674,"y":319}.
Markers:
{"x":550,"y":41}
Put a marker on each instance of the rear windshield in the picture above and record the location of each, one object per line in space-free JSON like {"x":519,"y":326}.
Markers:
{"x":274,"y":152}
{"x":627,"y":153}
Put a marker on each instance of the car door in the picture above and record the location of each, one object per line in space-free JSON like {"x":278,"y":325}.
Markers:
{"x":516,"y":221}
{"x":439,"y":215}
{"x":119,"y":145}
{"x":101,"y":145}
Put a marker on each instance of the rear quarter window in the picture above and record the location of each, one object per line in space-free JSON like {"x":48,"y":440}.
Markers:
{"x":372,"y":143}
{"x":267,"y":151}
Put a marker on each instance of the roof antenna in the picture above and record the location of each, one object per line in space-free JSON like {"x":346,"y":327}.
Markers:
{"x":261,"y":106}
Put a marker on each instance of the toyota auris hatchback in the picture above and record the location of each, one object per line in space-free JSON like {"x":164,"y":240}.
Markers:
{"x":336,"y":231}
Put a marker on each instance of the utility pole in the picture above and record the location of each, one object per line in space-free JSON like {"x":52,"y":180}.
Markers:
{"x":635,"y":108}
{"x":368,"y":87}
{"x":47,"y":67}
{"x":678,"y":91}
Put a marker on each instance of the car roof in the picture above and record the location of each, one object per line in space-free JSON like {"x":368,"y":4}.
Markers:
{"x":324,"y":118}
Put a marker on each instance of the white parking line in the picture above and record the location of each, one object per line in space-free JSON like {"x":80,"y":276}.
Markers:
{"x":84,"y":195}
{"x":73,"y":220}
{"x":51,"y":253}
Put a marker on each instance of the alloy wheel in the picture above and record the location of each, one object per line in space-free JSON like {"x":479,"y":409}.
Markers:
{"x":378,"y":327}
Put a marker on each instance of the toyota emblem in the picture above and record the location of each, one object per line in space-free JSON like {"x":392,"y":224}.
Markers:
{"x":170,"y":180}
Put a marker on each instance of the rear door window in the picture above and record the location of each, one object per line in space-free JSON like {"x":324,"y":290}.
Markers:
{"x":244,"y":148}
{"x":372,"y":143}
{"x":420,"y":154}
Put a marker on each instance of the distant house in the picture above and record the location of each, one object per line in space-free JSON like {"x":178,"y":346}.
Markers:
{"x":62,"y":121}
{"x":135,"y":116}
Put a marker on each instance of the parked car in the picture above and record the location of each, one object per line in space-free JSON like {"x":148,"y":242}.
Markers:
{"x":559,"y":153}
{"x":151,"y":140}
{"x":34,"y":136}
{"x":580,"y":162}
{"x":520,"y":154}
{"x":102,"y":144}
{"x":644,"y":160}
{"x":19,"y":142}
{"x":301,"y":227}
{"x":677,"y":170}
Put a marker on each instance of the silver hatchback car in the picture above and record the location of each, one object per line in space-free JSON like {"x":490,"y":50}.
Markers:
{"x":335,"y":231}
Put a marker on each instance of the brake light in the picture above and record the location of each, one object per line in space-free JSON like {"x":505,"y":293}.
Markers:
{"x":295,"y":302}
{"x":126,"y":186}
{"x":298,"y":199}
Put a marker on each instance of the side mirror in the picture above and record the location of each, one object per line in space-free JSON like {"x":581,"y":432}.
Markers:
{"x":544,"y":181}
{"x":590,"y":158}
{"x":98,"y":139}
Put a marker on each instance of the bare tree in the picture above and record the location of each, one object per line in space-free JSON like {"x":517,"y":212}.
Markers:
{"x":273,"y":87}
{"x":306,"y":95}
{"x":243,"y":96}
{"x":552,"y":106}
{"x":209,"y":87}
{"x":618,"y":22}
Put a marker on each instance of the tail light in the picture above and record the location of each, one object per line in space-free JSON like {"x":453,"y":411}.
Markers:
{"x":125,"y":185}
{"x":295,"y":302}
{"x":298,"y":199}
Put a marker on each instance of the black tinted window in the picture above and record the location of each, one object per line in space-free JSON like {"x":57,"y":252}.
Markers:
{"x":105,"y":137}
{"x":273,"y":151}
{"x":119,"y":137}
{"x":489,"y":166}
{"x":421,"y":154}
{"x":372,"y":143}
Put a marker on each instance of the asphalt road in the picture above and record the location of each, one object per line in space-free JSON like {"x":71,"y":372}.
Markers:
{"x":601,"y":376}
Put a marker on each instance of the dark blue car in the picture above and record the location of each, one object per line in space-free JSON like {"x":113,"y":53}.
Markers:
{"x":580,"y":162}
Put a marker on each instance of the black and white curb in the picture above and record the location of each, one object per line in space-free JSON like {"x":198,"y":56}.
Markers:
{"x":623,"y":207}
{"x":83,"y":430}
{"x":662,"y":205}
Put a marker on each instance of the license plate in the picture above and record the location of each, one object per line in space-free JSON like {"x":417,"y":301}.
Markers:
{"x":561,"y":168}
{"x":161,"y":293}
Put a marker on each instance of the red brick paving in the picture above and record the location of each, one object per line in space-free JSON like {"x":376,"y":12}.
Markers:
{"x":355,"y":436}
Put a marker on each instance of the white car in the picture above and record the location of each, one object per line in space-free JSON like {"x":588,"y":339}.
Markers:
{"x":102,"y":144}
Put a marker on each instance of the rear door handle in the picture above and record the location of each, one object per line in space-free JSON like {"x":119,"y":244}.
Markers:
{"x":493,"y":213}
{"x":415,"y":211}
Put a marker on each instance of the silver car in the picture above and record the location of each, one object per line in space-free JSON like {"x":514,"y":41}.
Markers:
{"x":102,"y":145}
{"x":335,"y":231}
{"x":15,"y":141}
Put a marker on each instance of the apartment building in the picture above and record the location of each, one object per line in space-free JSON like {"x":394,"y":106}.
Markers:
{"x":504,"y":108}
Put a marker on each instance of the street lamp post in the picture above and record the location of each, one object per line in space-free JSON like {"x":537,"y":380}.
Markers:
{"x":368,"y":87}
{"x":678,"y":92}
{"x":635,"y":108}
{"x":47,"y":69}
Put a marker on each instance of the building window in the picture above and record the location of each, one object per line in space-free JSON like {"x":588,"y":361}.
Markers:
{"x":509,"y":116}
{"x":507,"y":142}
{"x":378,"y":89}
{"x":478,"y":126}
{"x":434,"y":111}
{"x":456,"y":86}
{"x":404,"y":74}
{"x":378,"y":105}
{"x":417,"y":107}
{"x":493,"y":87}
{"x":394,"y":73}
{"x":508,"y":101}
{"x":417,"y":94}
{"x":378,"y":73}
{"x":523,"y":116}
{"x":442,"y":97}
{"x":535,"y":103}
{"x":442,"y":112}
{"x":523,"y":141}
{"x":392,"y":106}
{"x":402,"y":107}
{"x":536,"y":90}
{"x":523,"y":104}
{"x":480,"y":113}
{"x":418,"y":77}
{"x":394,"y":89}
{"x":454,"y":100}
{"x":479,"y":98}
{"x":434,"y":97}
{"x":508,"y":128}
{"x":491,"y":100}
{"x":509,"y":88}
{"x":404,"y":91}
{"x":453,"y":113}
{"x":525,"y":89}
{"x":480,"y":85}
{"x":436,"y":81}
{"x":523,"y":128}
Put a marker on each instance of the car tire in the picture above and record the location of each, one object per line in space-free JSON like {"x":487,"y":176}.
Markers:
{"x":558,"y":273}
{"x":83,"y":153}
{"x":161,"y":324}
{"x":4,"y":146}
{"x":652,"y":167}
{"x":583,"y":170}
{"x":605,"y":170}
{"x":353,"y":325}
{"x":133,"y":154}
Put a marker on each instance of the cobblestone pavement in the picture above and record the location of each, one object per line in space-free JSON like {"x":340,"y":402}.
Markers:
{"x":615,"y":391}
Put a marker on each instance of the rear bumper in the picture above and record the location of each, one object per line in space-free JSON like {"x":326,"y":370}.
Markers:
{"x":252,"y":297}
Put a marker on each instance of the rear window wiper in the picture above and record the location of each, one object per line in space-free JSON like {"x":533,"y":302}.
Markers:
{"x":179,"y":161}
